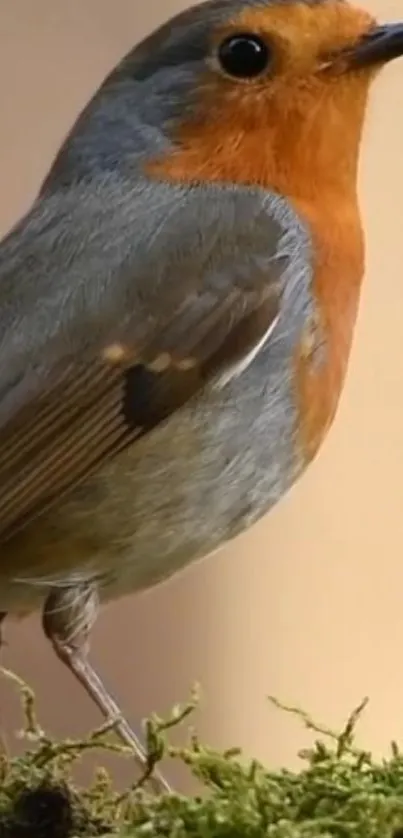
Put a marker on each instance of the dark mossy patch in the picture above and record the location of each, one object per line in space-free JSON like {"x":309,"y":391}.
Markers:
{"x":49,"y":810}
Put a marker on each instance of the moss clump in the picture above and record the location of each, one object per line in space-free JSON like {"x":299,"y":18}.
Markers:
{"x":340,"y":791}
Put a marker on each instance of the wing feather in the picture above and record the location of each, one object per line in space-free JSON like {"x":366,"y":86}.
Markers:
{"x":79,"y":402}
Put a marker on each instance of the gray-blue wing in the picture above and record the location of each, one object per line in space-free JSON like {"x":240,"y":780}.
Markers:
{"x":116,"y":307}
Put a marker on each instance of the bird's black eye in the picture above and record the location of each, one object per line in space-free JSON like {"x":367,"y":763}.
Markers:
{"x":244,"y":56}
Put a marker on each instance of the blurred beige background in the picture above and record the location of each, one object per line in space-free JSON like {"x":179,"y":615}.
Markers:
{"x":309,"y":605}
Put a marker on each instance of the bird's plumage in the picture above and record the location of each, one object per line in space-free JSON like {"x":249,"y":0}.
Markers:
{"x":129,"y":289}
{"x":164,"y":318}
{"x":91,"y":365}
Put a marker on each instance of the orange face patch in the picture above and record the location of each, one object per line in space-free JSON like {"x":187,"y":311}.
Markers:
{"x":289,"y":126}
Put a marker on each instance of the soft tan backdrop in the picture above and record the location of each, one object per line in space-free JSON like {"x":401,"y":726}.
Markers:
{"x":309,"y":605}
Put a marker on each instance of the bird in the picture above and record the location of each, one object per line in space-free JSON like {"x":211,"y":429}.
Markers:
{"x":178,"y":304}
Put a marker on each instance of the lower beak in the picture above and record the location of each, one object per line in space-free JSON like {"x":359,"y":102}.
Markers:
{"x":381,"y":44}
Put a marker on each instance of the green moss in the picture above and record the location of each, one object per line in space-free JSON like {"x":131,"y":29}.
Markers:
{"x":340,"y":791}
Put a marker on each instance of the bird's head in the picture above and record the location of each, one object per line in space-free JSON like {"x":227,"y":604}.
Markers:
{"x":269,"y":92}
{"x":266,"y":92}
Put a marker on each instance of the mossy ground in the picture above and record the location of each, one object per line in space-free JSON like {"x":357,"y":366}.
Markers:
{"x":340,"y":791}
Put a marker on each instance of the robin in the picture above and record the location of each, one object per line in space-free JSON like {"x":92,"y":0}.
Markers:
{"x":177,"y":307}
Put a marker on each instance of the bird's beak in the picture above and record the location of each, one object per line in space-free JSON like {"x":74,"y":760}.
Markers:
{"x":379,"y":45}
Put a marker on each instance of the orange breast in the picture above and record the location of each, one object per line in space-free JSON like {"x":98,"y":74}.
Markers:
{"x":338,"y":271}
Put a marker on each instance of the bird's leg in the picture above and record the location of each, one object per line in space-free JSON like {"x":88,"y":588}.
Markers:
{"x":68,"y":616}
{"x":3,"y":615}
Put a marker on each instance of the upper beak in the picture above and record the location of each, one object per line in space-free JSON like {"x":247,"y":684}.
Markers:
{"x":381,"y":44}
